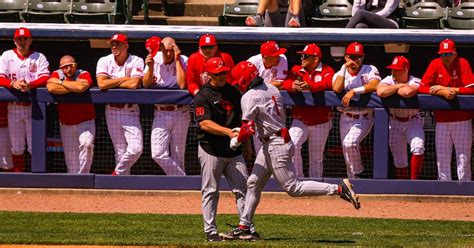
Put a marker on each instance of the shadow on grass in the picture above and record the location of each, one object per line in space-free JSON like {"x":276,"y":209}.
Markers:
{"x":327,"y":241}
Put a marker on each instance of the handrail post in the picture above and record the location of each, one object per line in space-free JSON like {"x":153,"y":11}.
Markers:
{"x":381,"y":150}
{"x":38,"y":136}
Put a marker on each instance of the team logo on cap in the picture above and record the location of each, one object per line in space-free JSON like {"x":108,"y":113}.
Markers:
{"x":445,"y":45}
{"x":357,"y":48}
{"x":395,"y":61}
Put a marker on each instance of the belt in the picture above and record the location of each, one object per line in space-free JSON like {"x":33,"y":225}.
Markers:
{"x":120,"y":105}
{"x":356,"y":116}
{"x":280,"y":133}
{"x":402,"y":119}
{"x":168,"y":107}
{"x":22,"y":103}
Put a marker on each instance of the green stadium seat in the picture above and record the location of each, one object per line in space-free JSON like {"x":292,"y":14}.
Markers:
{"x":462,"y":16}
{"x":236,"y":13}
{"x":90,"y":12}
{"x":428,"y":15}
{"x":47,"y":11}
{"x":332,"y":14}
{"x":10,"y":10}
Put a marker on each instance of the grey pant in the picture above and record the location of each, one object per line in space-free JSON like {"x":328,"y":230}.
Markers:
{"x":212,"y":169}
{"x":275,"y":157}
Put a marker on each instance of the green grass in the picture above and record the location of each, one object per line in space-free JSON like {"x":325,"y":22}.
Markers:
{"x":186,"y":230}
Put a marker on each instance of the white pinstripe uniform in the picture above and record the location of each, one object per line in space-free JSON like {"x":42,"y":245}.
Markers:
{"x":410,"y":131}
{"x":29,"y":69}
{"x":275,"y":73}
{"x":123,"y":123}
{"x":264,"y":105}
{"x":5,"y":144}
{"x":354,"y":130}
{"x":170,"y":128}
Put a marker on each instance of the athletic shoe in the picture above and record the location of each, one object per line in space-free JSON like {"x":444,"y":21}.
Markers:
{"x":348,"y":194}
{"x":114,"y":173}
{"x":240,"y":233}
{"x":254,"y":21}
{"x":294,"y":22}
{"x":213,"y":237}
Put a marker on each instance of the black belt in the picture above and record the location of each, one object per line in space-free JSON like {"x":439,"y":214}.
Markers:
{"x":356,"y":116}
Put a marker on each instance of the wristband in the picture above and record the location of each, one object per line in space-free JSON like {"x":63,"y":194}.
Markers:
{"x":359,"y":90}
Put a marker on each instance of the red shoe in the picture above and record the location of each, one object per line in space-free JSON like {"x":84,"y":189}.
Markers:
{"x":294,"y":22}
{"x":114,"y":173}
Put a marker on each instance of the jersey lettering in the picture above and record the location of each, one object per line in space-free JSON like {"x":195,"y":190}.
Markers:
{"x":199,"y":111}
{"x":276,"y":105}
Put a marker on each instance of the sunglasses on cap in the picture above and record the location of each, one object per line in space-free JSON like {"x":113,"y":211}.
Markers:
{"x":306,"y":56}
{"x":207,"y":47}
{"x":72,"y":65}
{"x":446,"y":54}
{"x":356,"y":57}
{"x":223,"y":73}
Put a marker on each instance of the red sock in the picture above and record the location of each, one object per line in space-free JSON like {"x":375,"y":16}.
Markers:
{"x":401,"y":173}
{"x":416,"y":164}
{"x":18,"y":163}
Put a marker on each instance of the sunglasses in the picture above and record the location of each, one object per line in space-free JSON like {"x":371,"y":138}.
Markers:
{"x":356,"y":57}
{"x":207,"y":47}
{"x":219,"y":74}
{"x":446,"y":54}
{"x":73,"y":65}
{"x":307,"y":56}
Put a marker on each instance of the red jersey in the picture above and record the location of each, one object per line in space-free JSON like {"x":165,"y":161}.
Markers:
{"x":196,"y":66}
{"x":458,"y":74}
{"x":3,"y":114}
{"x":75,"y":113}
{"x":320,"y":79}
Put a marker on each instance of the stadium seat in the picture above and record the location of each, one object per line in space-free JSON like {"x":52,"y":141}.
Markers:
{"x":462,"y":16}
{"x":90,"y":12}
{"x":236,"y":13}
{"x":10,"y":10}
{"x":332,"y":14}
{"x":427,"y":15}
{"x":47,"y":11}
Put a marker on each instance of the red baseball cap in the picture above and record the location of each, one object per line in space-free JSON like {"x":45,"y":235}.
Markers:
{"x":271,"y":48}
{"x":355,"y":48}
{"x":399,"y":63}
{"x":152,"y":44}
{"x":311,"y":49}
{"x":119,"y":38}
{"x":447,"y":46}
{"x":22,"y":32}
{"x":207,"y":40}
{"x":216,"y":65}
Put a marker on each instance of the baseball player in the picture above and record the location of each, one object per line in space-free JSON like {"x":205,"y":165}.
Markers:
{"x":310,"y":123}
{"x":77,"y":121}
{"x":356,"y":122}
{"x":196,"y":76}
{"x":167,"y":70}
{"x":263,"y":113}
{"x":6,"y":163}
{"x":405,"y":125}
{"x":448,"y":76}
{"x":122,"y":70}
{"x":217,"y":108}
{"x":22,"y":69}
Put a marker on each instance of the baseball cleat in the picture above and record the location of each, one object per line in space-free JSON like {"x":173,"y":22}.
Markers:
{"x":294,"y":22}
{"x":348,"y":194}
{"x":254,"y":21}
{"x":214,"y":238}
{"x":240,"y":233}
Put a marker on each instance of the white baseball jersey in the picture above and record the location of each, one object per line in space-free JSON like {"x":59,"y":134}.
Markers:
{"x":366,"y":73}
{"x":275,"y":73}
{"x":412,"y":81}
{"x":133,"y":67}
{"x":164,"y":75}
{"x":16,"y":67}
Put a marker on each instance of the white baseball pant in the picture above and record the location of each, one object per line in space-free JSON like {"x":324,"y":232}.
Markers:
{"x":78,"y":145}
{"x":19,"y":126}
{"x":212,"y":168}
{"x":316,"y":136}
{"x":5,"y":152}
{"x":126,"y":134}
{"x":352,"y":132}
{"x":459,"y":134}
{"x":401,"y":133}
{"x":168,"y":140}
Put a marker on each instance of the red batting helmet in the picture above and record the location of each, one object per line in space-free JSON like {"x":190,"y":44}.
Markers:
{"x":242,"y":74}
{"x":152,"y":44}
{"x":216,"y":65}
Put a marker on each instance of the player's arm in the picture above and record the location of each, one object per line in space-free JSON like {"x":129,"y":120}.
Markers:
{"x":338,"y":80}
{"x":180,"y":71}
{"x":39,"y":82}
{"x":408,"y":91}
{"x":385,"y":90}
{"x":105,"y":83}
{"x":467,"y":79}
{"x":131,"y":83}
{"x":211,"y":127}
{"x":324,"y":84}
{"x":54,"y":87}
{"x":150,"y":68}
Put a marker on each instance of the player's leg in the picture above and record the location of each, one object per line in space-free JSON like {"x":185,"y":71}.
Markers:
{"x":462,"y":137}
{"x":70,"y":141}
{"x":444,"y":146}
{"x":299,"y":134}
{"x":114,"y":126}
{"x":318,"y":136}
{"x":397,"y":142}
{"x":6,"y":162}
{"x":211,"y":172}
{"x":178,"y":138}
{"x":86,"y":132}
{"x":257,"y":144}
{"x":134,"y":137}
{"x":17,"y":130}
{"x":236,"y":174}
{"x":416,"y":139}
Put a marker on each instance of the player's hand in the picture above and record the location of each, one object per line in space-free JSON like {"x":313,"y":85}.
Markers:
{"x":304,"y":85}
{"x":350,"y":63}
{"x":436,"y":88}
{"x":149,"y":61}
{"x":296,"y":86}
{"x":177,"y":52}
{"x":23,"y":86}
{"x":235,"y":132}
{"x":234,"y":144}
{"x":347,"y":98}
{"x":450,"y":94}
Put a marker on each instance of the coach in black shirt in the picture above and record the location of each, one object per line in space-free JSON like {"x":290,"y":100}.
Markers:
{"x":217,"y":108}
